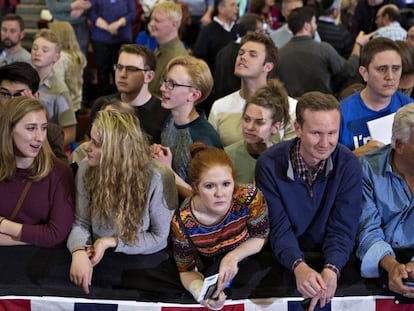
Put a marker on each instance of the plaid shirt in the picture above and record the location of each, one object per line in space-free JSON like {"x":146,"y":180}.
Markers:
{"x":308,"y":174}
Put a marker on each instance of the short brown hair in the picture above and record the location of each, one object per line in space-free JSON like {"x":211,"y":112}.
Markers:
{"x":375,"y":46}
{"x":150,"y":61}
{"x":14,"y":17}
{"x":272,"y":52}
{"x":315,"y":101}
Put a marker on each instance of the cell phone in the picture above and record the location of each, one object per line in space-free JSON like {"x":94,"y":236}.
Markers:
{"x":209,"y":287}
{"x":210,"y":291}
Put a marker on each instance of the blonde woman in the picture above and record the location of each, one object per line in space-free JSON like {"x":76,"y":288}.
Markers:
{"x":31,"y":175}
{"x":70,"y":66}
{"x":123,"y":197}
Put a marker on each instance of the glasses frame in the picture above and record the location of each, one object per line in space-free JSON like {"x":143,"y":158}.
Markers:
{"x":9,"y":96}
{"x":129,"y":69}
{"x":170,"y":85}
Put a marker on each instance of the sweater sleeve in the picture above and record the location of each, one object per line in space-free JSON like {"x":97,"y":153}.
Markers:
{"x":258,"y":222}
{"x":80,"y":234}
{"x":54,"y":231}
{"x":182,"y":250}
{"x":94,"y":12}
{"x":282,"y":238}
{"x":342,"y":224}
{"x":201,"y":47}
{"x":130,"y":17}
{"x":161,"y":202}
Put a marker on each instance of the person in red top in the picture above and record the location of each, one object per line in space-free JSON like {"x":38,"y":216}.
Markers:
{"x":30,"y":173}
{"x":268,"y":11}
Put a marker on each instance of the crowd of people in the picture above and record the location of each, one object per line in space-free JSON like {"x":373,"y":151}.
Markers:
{"x":304,"y":143}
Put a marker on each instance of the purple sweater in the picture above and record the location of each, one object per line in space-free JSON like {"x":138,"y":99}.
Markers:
{"x":47,"y":210}
{"x":110,"y":11}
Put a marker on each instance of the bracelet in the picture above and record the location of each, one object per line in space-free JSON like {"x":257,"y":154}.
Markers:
{"x":296,"y":263}
{"x":333,"y":268}
{"x":79,"y":248}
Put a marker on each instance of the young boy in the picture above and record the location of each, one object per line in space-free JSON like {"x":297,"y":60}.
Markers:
{"x":54,"y":94}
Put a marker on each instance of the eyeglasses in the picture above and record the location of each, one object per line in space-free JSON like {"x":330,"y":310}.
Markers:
{"x":170,"y":85}
{"x":6,"y":95}
{"x":129,"y":69}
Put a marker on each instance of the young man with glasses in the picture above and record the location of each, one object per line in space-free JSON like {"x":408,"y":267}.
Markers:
{"x":133,"y":73}
{"x":186,"y":82}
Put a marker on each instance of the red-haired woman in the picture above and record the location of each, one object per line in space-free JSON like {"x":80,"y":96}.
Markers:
{"x":220,"y":224}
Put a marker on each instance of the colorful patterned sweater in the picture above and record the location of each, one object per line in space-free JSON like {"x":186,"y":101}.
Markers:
{"x":246,"y":218}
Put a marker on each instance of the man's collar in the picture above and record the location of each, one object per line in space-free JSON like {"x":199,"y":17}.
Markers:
{"x":167,"y":45}
{"x":227,"y":27}
{"x":291,"y":172}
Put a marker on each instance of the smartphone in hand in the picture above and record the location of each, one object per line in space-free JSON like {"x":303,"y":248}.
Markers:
{"x":209,"y":287}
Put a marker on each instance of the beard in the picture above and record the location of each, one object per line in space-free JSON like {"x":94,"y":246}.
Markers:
{"x":7,"y":43}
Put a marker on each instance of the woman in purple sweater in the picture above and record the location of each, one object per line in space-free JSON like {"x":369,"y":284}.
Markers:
{"x":36,"y":189}
{"x":111,"y":27}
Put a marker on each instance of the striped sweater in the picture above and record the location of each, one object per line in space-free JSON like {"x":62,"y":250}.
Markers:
{"x":246,"y":218}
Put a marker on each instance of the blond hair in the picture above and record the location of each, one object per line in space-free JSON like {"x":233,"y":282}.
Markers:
{"x":122,"y":177}
{"x":69,"y":42}
{"x":171,"y":9}
{"x":50,"y":36}
{"x":198,"y":71}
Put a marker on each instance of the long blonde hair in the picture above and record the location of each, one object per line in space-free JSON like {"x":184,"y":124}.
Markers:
{"x":10,"y":114}
{"x":118,"y":187}
{"x":68,"y":41}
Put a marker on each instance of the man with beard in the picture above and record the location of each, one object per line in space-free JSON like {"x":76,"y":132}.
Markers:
{"x":305,"y":65}
{"x":12,"y":34}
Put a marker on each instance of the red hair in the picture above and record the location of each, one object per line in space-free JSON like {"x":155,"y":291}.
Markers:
{"x":203,"y":158}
